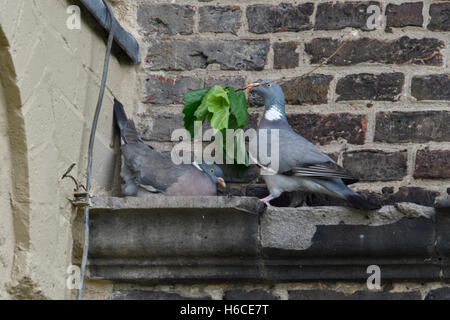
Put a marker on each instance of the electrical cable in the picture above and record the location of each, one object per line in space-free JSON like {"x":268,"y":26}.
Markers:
{"x":91,"y":146}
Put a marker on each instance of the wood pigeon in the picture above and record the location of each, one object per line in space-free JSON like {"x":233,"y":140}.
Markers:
{"x":146,"y":171}
{"x":301,"y":165}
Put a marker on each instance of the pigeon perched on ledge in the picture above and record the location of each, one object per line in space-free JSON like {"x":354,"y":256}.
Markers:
{"x":301,"y":166}
{"x":146,"y":171}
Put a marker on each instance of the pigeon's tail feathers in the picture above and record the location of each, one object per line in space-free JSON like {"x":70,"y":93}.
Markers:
{"x":348,"y":181}
{"x":121,"y":116}
{"x":339,"y":189}
{"x":127,"y":128}
{"x":355,"y":200}
{"x":130,"y":133}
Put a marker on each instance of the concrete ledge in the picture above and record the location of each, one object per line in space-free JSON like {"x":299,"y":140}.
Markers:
{"x":174,"y":238}
{"x":149,"y":204}
{"x":337,"y":243}
{"x":210,"y":239}
{"x":442,"y":202}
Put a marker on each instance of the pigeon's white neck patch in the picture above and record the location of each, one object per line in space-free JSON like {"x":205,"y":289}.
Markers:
{"x":273,"y":113}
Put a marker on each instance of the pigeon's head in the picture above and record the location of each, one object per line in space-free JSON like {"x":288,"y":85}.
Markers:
{"x":270,"y":90}
{"x":214,"y":172}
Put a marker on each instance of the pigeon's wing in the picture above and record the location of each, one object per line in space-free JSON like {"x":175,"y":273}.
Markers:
{"x":126,"y":127}
{"x":299,"y":157}
{"x":150,"y":167}
{"x":323,"y":170}
{"x":130,"y":134}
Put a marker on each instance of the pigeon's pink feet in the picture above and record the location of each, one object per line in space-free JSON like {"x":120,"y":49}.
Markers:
{"x":267,"y":199}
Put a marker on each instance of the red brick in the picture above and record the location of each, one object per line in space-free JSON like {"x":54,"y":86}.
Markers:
{"x":324,"y":128}
{"x":416,"y":126}
{"x":376,"y":165}
{"x":432,"y":164}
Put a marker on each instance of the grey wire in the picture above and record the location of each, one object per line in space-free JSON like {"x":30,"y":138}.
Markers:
{"x":91,"y":146}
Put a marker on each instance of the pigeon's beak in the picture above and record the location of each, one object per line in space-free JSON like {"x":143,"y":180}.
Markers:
{"x":250,"y":86}
{"x":221,"y":182}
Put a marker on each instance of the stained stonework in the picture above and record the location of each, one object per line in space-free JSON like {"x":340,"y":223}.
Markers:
{"x":220,"y":19}
{"x":405,"y":14}
{"x":324,"y":128}
{"x":186,"y":55}
{"x":366,"y":86}
{"x":432,"y":164}
{"x":439,"y":13}
{"x":405,"y":50}
{"x":167,"y":19}
{"x":340,"y":15}
{"x":285,"y":56}
{"x":266,"y":256}
{"x":412,"y":126}
{"x":312,"y":89}
{"x":264,"y":18}
{"x":376,"y":165}
{"x":431,"y":87}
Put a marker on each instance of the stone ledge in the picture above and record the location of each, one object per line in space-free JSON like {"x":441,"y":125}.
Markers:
{"x":442,"y":202}
{"x":210,"y":239}
{"x":149,"y":204}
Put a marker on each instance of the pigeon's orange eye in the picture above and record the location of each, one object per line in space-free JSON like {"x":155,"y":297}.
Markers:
{"x":212,"y":170}
{"x":268,"y":85}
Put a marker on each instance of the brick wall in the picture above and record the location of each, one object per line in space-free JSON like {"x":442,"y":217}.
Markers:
{"x":380,"y":106}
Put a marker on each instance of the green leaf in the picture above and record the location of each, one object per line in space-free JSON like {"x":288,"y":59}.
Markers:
{"x":213,"y":101}
{"x":189,"y":117}
{"x":192,"y":100}
{"x":214,"y":105}
{"x":210,"y":115}
{"x":220,"y":117}
{"x":243,"y":108}
{"x":232,"y":122}
{"x":239,"y":106}
{"x":194,"y":96}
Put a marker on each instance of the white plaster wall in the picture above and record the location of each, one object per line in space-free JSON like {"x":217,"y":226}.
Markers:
{"x":57,"y":74}
{"x":6,"y":219}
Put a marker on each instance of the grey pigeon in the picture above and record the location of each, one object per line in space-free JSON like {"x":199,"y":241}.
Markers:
{"x":146,"y":171}
{"x":302,"y":166}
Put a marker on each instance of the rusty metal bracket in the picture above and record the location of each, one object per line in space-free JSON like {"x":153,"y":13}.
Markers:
{"x":81,"y":197}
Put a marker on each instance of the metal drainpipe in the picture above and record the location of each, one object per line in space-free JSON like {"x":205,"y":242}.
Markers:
{"x":91,"y":146}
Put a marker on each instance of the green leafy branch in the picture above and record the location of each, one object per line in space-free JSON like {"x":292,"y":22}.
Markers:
{"x":223,"y":108}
